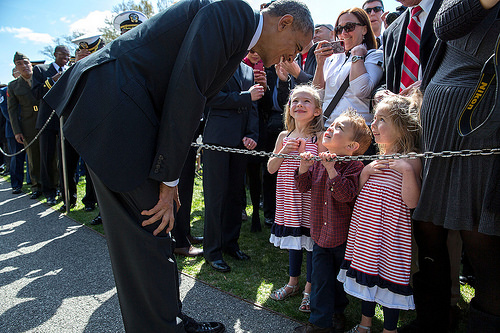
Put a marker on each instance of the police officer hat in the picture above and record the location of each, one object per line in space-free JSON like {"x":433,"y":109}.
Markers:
{"x":128,"y":20}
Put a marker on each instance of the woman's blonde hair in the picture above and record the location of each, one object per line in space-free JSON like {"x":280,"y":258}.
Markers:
{"x":404,"y":112}
{"x":316,"y":125}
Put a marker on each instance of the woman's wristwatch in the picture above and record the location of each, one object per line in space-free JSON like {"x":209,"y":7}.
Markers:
{"x":356,"y":58}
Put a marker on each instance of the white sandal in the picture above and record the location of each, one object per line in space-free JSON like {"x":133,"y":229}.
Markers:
{"x":355,"y":329}
{"x":305,"y":305}
{"x":281,"y":294}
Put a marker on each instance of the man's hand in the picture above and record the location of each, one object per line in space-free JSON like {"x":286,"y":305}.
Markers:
{"x":249,"y":143}
{"x":256,"y":92}
{"x":19,"y":138}
{"x":164,"y":209}
{"x":56,"y":77}
{"x":80,"y":54}
{"x":291,"y":67}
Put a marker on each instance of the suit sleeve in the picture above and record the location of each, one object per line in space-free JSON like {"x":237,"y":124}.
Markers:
{"x":252,"y":130}
{"x":231,"y":100}
{"x":13,"y":107}
{"x":222,"y":30}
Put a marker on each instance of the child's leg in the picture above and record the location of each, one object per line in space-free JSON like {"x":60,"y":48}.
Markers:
{"x":295,"y":264}
{"x":391,"y":317}
{"x":307,"y":288}
{"x":367,"y":313}
{"x":327,"y":294}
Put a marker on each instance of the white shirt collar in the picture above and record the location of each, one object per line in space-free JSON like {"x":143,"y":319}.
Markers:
{"x":56,"y":66}
{"x":257,"y":34}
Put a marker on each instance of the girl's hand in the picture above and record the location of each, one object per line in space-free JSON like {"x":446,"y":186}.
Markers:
{"x":306,"y":162}
{"x":290,"y":145}
{"x":400,"y":165}
{"x":376,"y":167}
{"x":302,"y":145}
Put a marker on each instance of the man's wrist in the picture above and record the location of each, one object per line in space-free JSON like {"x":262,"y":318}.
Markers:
{"x":173,"y":183}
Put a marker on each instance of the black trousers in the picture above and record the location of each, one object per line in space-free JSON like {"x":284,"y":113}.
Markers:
{"x":144,"y":266}
{"x":49,"y":172}
{"x":223,"y":179}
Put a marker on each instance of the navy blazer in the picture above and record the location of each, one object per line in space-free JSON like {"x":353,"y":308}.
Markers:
{"x":41,"y":84}
{"x":133,"y":107}
{"x":393,"y":41}
{"x":232,"y":114}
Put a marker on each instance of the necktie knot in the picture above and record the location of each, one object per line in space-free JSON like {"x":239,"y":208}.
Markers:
{"x":415,"y":11}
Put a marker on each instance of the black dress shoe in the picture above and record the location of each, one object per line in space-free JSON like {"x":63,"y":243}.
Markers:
{"x":89,"y":207}
{"x":192,"y":326}
{"x":220,"y":265}
{"x":35,"y":195}
{"x":63,"y":207}
{"x":238,"y":255}
{"x":268,"y":222}
{"x":97,"y":220}
{"x":194,"y":239}
{"x":189,"y":251}
{"x":17,"y":190}
{"x":51,"y":201}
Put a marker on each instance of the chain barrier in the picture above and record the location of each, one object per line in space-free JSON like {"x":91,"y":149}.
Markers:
{"x":444,"y":154}
{"x":201,"y":145}
{"x":32,"y":141}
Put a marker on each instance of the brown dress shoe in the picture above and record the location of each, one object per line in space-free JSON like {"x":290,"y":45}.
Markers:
{"x":310,"y":328}
{"x":188,"y":251}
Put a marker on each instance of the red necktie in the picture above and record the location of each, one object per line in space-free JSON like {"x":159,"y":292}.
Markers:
{"x":411,"y":60}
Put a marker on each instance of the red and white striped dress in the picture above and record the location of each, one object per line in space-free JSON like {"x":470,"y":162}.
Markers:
{"x":377,"y":260}
{"x":291,"y":225}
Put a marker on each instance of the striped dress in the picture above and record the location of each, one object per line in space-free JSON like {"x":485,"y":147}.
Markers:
{"x":291,"y":227}
{"x":377,"y":261}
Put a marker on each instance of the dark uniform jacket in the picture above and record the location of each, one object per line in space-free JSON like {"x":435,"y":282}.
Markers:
{"x":42,"y":83}
{"x":20,"y":99}
{"x":132,"y":108}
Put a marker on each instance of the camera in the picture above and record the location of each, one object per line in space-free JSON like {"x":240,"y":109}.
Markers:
{"x":392,"y":16}
{"x":338,"y":46}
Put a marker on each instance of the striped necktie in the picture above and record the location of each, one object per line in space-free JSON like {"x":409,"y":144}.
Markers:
{"x":411,"y":60}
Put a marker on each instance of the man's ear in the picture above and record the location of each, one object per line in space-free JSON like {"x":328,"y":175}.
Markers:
{"x":353,"y":146}
{"x":285,"y":20}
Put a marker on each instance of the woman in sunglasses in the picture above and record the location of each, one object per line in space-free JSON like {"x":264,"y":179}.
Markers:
{"x":359,"y":66}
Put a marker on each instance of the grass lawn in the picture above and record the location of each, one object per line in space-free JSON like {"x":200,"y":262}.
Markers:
{"x":267,"y":270}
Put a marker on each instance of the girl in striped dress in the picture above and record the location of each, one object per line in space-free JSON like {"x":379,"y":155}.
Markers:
{"x":304,"y":125}
{"x":377,"y":261}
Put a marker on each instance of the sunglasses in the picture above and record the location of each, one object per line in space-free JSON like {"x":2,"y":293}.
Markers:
{"x":375,"y":9}
{"x":348,"y":27}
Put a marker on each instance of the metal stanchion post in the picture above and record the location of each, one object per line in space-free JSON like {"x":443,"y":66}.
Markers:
{"x":67,"y":199}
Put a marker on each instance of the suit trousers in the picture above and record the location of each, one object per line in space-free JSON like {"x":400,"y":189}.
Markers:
{"x":223,"y":179}
{"x":72,"y":158}
{"x":144,"y":266}
{"x":33,"y":153}
{"x":49,"y":172}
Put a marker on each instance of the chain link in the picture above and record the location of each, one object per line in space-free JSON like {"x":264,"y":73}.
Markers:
{"x":32,"y":141}
{"x":428,"y":154}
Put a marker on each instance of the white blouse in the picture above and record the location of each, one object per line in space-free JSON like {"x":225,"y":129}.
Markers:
{"x":357,"y":96}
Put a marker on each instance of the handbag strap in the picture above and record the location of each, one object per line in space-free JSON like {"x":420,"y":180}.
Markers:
{"x":489,"y":73}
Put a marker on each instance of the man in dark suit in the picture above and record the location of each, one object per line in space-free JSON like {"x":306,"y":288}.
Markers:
{"x":233,"y":121}
{"x":393,"y":42}
{"x":134,"y":121}
{"x":44,"y":77}
{"x":23,"y":110}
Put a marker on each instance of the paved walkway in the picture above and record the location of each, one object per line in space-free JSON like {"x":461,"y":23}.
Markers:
{"x":55,"y":276}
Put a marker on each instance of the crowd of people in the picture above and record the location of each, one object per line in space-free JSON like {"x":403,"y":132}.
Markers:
{"x":388,"y":232}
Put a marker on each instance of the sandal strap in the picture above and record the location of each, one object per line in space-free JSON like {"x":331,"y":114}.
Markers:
{"x":368,"y":328}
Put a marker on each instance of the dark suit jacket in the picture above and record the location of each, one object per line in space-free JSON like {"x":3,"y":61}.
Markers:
{"x":232,"y":113}
{"x":42,"y":83}
{"x":394,"y":45}
{"x":147,"y":89}
{"x":307,"y":74}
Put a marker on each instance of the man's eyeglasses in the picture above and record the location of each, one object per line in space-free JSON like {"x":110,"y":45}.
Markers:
{"x":348,"y":27}
{"x":375,"y":9}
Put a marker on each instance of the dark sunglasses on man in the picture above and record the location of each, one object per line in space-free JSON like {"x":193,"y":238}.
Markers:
{"x":348,"y":27}
{"x":375,"y":9}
